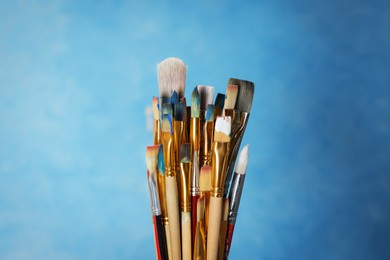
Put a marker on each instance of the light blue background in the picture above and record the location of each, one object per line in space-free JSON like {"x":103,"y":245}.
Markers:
{"x":77,"y":76}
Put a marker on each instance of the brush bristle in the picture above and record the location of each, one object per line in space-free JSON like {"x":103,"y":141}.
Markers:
{"x":174,"y":98}
{"x":171,"y":74}
{"x":161,"y":165}
{"x":166,"y":108}
{"x":185,"y":150}
{"x":210,"y":113}
{"x":205,"y":178}
{"x":243,"y":160}
{"x":206,"y":94}
{"x":195,"y":103}
{"x":166,"y":124}
{"x":156,"y":113}
{"x":245,"y":94}
{"x":152,"y":157}
{"x":179,"y":111}
{"x":219,"y":101}
{"x":223,"y":126}
{"x":231,"y":96}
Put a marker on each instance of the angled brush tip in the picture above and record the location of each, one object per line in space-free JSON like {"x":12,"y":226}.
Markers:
{"x":243,"y":160}
{"x":152,"y":157}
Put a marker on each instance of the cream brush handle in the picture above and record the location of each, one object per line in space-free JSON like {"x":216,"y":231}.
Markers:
{"x":168,"y":236}
{"x":173,"y":215}
{"x":186,"y":235}
{"x":214,"y":227}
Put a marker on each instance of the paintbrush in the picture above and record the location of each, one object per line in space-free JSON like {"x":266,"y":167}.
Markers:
{"x":205,"y":188}
{"x":171,"y":74}
{"x":235,"y":195}
{"x":160,"y":237}
{"x":223,"y":230}
{"x":207,"y":140}
{"x":206,"y":94}
{"x":240,"y":120}
{"x":185,"y":205}
{"x":219,"y":165}
{"x":157,"y":127}
{"x":200,"y":237}
{"x":230,"y":101}
{"x":219,"y":104}
{"x":171,"y":185}
{"x":163,"y":198}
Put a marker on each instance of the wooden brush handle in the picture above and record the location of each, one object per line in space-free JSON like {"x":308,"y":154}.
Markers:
{"x":223,"y":229}
{"x":214,"y":227}
{"x":173,"y":215}
{"x":194,"y":203}
{"x":168,"y":236}
{"x":186,"y":235}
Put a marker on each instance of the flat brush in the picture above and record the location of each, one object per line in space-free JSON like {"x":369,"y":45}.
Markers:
{"x":240,"y":121}
{"x":171,"y":74}
{"x":160,"y":237}
{"x":157,"y":127}
{"x":219,"y":164}
{"x":235,"y":195}
{"x":219,"y":104}
{"x":230,"y":101}
{"x":185,"y":206}
{"x":171,"y":185}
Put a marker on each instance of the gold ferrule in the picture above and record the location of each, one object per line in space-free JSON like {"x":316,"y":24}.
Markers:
{"x":194,"y":135}
{"x":169,"y":156}
{"x":207,"y":141}
{"x":157,"y":132}
{"x":162,"y":194}
{"x":178,"y":131}
{"x":219,"y":165}
{"x":185,"y":169}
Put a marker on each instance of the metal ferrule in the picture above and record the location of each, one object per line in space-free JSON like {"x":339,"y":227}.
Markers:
{"x":169,"y":156}
{"x":154,"y":196}
{"x":240,"y":121}
{"x":195,"y":176}
{"x":194,"y":134}
{"x":207,"y":141}
{"x":219,"y":164}
{"x":178,"y":130}
{"x":235,"y":196}
{"x":157,"y":132}
{"x":185,"y":169}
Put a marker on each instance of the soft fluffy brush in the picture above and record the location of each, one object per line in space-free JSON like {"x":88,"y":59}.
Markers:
{"x":171,"y":74}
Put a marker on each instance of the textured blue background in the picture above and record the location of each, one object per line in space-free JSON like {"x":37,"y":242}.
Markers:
{"x":77,"y":76}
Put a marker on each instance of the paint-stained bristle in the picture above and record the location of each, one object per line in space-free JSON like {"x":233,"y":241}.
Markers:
{"x":185,"y":151}
{"x":195,"y":103}
{"x":206,"y":94}
{"x":166,"y":124}
{"x":231,"y":96}
{"x":152,"y":157}
{"x":166,"y":109}
{"x":156,"y":113}
{"x":210,"y":113}
{"x":200,"y":208}
{"x":171,"y":77}
{"x":220,"y":101}
{"x":179,"y":111}
{"x":174,"y":98}
{"x":223,"y":126}
{"x":245,"y":94}
{"x":205,"y":178}
{"x":243,"y":160}
{"x":161,"y":165}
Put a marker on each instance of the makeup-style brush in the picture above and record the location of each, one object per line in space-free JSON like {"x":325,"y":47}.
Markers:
{"x":200,"y":237}
{"x":171,"y":185}
{"x":185,"y":206}
{"x":235,"y":195}
{"x":152,"y":163}
{"x":208,"y":134}
{"x":163,"y":198}
{"x":239,"y":123}
{"x":156,"y":116}
{"x":219,"y":104}
{"x":219,"y":165}
{"x":230,"y":101}
{"x":171,"y":74}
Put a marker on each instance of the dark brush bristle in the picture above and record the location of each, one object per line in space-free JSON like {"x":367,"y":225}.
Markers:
{"x":179,"y":111}
{"x":245,"y":94}
{"x":185,"y":156}
{"x":219,"y":101}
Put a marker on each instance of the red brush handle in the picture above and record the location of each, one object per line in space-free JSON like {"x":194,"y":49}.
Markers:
{"x":156,"y":242}
{"x":229,"y":239}
{"x":194,"y":204}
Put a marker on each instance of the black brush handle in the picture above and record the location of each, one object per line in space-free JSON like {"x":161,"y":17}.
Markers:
{"x":161,"y":237}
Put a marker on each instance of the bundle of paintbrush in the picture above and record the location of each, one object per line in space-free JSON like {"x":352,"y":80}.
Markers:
{"x":194,"y":195}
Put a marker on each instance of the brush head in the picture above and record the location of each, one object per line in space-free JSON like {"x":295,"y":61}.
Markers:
{"x":185,"y":151}
{"x":210,"y":113}
{"x":156,"y":113}
{"x":174,"y":98}
{"x":195,"y":103}
{"x":243,"y":160}
{"x":205,"y":178}
{"x":200,"y":208}
{"x":206,"y":94}
{"x":166,"y":124}
{"x":219,"y":101}
{"x":231,"y":96}
{"x":166,"y":109}
{"x":245,"y":94}
{"x":179,"y":110}
{"x":161,"y":165}
{"x":171,"y":74}
{"x":152,"y":157}
{"x":223,"y":126}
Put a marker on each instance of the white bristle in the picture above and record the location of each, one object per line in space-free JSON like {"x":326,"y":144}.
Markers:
{"x":171,"y":77}
{"x":206,"y":94}
{"x":243,"y":160}
{"x":223,"y":124}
